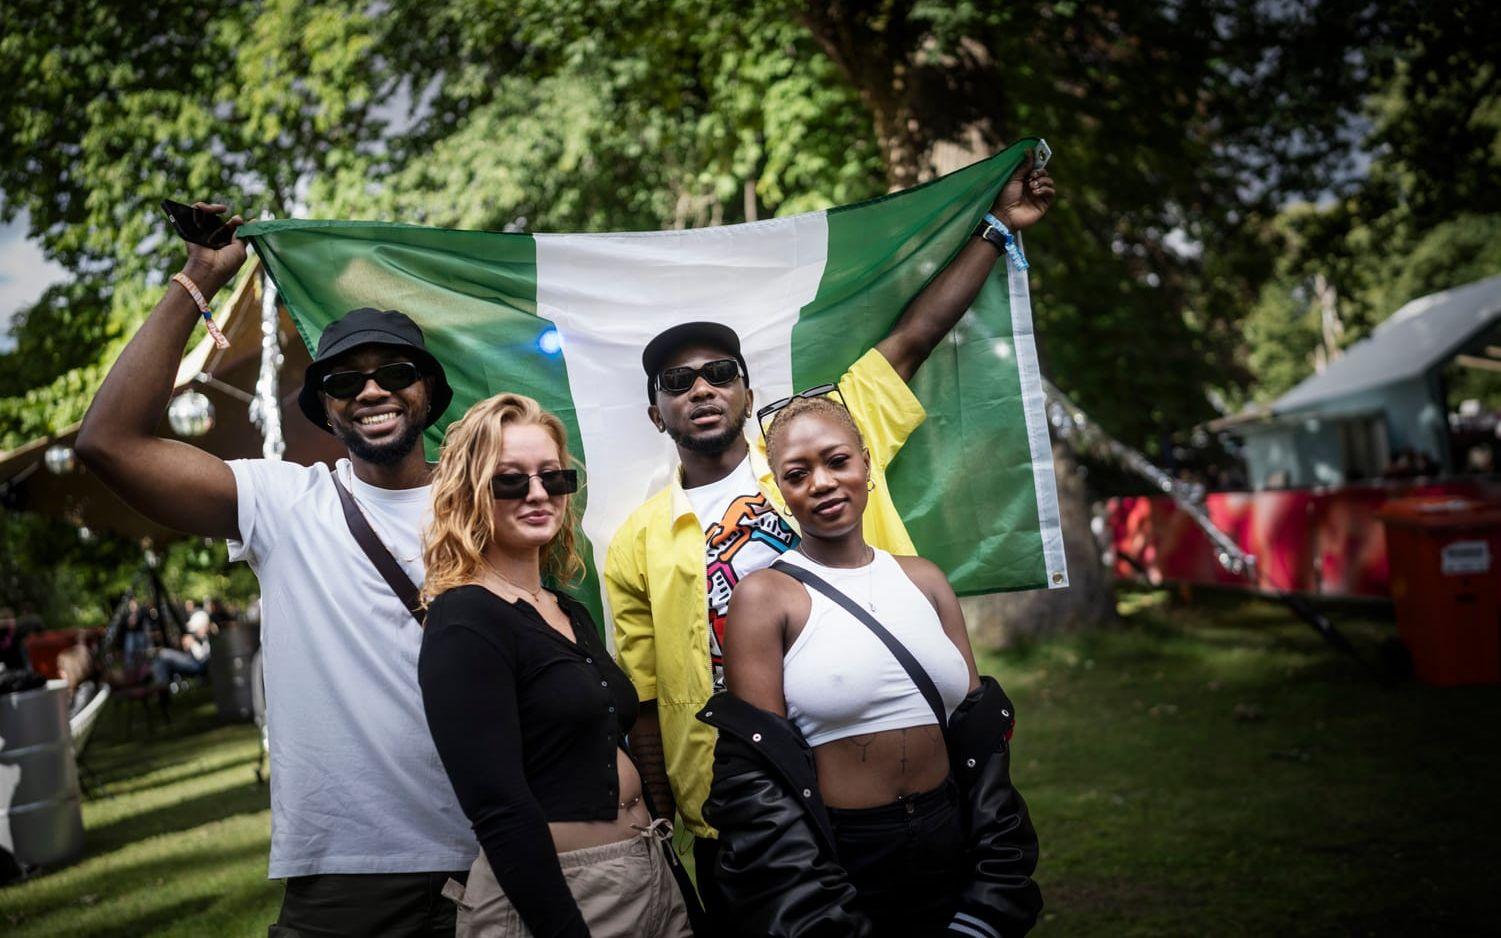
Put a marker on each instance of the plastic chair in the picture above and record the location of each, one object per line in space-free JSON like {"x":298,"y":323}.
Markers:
{"x":82,"y":724}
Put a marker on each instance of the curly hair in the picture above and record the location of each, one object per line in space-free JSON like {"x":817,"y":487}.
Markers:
{"x":823,"y":406}
{"x":454,"y":543}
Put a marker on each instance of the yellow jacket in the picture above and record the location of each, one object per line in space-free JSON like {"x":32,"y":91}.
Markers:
{"x":655,"y":579}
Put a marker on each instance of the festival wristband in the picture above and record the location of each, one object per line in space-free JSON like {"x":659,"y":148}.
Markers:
{"x":1011,"y":246}
{"x":186,"y":282}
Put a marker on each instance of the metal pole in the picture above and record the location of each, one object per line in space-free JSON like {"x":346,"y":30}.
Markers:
{"x":1087,"y":437}
{"x":1084,"y":435}
{"x":265,"y":410}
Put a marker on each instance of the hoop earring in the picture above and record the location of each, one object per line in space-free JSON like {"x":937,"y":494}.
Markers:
{"x":870,"y":485}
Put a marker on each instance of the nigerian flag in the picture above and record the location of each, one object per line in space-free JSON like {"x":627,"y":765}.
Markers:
{"x":563,"y":318}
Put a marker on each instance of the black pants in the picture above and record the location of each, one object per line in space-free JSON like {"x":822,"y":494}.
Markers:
{"x":396,"y":904}
{"x":706,"y":871}
{"x":906,"y":860}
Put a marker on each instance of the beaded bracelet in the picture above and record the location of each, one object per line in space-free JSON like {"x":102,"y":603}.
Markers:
{"x":186,"y":282}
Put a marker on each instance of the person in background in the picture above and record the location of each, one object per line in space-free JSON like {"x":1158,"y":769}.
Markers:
{"x":219,"y":614}
{"x":77,"y":665}
{"x":12,"y":641}
{"x":529,"y":713}
{"x":136,"y":630}
{"x":191,"y":660}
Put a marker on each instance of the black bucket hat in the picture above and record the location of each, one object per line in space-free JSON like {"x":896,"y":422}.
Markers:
{"x":371,"y":327}
{"x":660,"y":349}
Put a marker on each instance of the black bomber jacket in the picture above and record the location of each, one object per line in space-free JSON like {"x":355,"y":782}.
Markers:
{"x":777,"y":864}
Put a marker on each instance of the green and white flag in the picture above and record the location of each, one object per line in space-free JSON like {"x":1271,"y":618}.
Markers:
{"x":563,"y":318}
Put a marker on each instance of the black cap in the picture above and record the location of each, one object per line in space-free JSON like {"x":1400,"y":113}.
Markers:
{"x":660,"y":349}
{"x":368,"y":326}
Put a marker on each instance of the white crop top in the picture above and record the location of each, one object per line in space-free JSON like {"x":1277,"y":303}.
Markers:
{"x":840,"y":680}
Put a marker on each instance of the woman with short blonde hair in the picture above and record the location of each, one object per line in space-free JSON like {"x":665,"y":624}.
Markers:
{"x":528,"y":711}
{"x":862,"y":779}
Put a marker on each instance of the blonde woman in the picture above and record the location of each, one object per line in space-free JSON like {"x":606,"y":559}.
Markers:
{"x":528,"y":711}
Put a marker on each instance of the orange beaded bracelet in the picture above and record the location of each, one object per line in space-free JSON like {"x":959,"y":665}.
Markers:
{"x":186,"y":282}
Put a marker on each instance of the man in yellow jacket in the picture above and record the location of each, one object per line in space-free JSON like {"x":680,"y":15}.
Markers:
{"x":672,"y":564}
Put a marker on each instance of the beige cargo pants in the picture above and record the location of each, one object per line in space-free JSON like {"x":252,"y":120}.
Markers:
{"x":625,"y":890}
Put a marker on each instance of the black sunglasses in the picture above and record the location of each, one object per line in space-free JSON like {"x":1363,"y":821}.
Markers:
{"x":513,"y":485}
{"x":770,"y":410}
{"x":719,"y":372}
{"x":393,"y":377}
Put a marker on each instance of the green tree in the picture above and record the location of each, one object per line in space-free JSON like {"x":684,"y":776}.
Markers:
{"x":1180,"y":127}
{"x":1171,"y":118}
{"x":1427,"y":214}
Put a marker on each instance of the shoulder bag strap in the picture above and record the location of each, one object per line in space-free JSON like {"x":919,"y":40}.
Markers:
{"x":914,"y":670}
{"x":379,"y":554}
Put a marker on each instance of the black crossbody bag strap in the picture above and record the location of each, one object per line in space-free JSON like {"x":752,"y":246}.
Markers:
{"x":898,"y":650}
{"x":379,"y":554}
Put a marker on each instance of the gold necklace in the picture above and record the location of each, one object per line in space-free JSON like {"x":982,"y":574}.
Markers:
{"x":536,"y":595}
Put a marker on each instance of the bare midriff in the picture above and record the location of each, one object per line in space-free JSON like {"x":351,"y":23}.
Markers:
{"x":874,"y":769}
{"x":578,"y":835}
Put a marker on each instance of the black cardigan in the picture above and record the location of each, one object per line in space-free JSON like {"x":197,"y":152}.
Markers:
{"x":529,"y":727}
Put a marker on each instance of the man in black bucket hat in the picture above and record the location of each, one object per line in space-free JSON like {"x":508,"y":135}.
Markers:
{"x":374,"y":335}
{"x":365,"y":828}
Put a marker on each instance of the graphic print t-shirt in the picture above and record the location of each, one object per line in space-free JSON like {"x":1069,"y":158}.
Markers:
{"x":743,"y":533}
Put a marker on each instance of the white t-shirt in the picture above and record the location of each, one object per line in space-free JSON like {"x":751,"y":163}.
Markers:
{"x":356,"y":784}
{"x":742,"y":534}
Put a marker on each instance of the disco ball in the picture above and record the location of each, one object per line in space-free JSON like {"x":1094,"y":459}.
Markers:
{"x":190,"y":414}
{"x":60,"y":459}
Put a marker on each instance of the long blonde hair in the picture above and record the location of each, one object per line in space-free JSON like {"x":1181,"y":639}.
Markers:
{"x":454,"y":544}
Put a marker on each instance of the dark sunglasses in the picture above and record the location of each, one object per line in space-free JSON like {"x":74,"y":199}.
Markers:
{"x":393,"y":377}
{"x":513,"y":485}
{"x":719,"y":372}
{"x":765,"y":414}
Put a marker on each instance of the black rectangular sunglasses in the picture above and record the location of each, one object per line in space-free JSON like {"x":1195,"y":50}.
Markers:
{"x":719,"y":372}
{"x":514,"y":485}
{"x":764,"y":415}
{"x":393,"y":377}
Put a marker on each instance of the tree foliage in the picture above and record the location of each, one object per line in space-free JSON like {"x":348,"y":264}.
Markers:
{"x":1175,"y":124}
{"x":1426,"y":216}
{"x":1182,"y":129}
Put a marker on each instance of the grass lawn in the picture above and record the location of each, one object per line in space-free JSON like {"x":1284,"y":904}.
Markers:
{"x":1218,"y":770}
{"x":177,"y":834}
{"x":1210,"y":769}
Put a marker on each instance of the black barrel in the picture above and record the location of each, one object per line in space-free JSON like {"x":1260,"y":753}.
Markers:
{"x":230,"y":653}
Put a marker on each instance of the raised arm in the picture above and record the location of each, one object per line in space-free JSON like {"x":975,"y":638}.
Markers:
{"x":168,"y":481}
{"x":929,"y":317}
